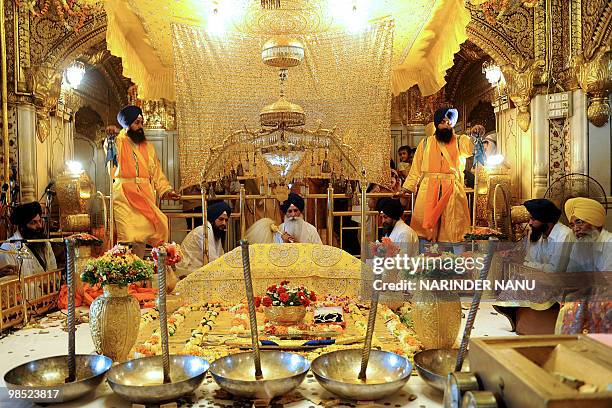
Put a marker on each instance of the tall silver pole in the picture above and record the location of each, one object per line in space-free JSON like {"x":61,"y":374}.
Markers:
{"x":70,"y":266}
{"x":246,"y":263}
{"x":163,"y":319}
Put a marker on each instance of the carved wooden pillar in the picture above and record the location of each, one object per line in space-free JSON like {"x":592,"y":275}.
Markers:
{"x":595,"y":77}
{"x":519,"y":77}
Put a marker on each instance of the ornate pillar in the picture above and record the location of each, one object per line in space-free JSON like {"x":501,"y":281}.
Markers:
{"x":26,"y":129}
{"x":540,"y":132}
{"x":46,"y":87}
{"x":519,"y":77}
{"x":595,"y":77}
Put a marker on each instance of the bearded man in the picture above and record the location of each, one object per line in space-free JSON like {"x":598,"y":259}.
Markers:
{"x":193,"y":245}
{"x":295,"y":228}
{"x":395,"y":228}
{"x":40,"y":257}
{"x":137,"y":179}
{"x":441,"y":209}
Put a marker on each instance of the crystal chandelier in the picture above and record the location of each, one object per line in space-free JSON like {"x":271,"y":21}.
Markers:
{"x":492,"y":72}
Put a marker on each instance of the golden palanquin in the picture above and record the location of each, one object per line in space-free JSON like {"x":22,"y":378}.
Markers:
{"x":322,"y":268}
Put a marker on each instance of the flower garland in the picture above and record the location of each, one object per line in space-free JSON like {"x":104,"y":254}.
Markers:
{"x":174,"y":254}
{"x":118,"y":266}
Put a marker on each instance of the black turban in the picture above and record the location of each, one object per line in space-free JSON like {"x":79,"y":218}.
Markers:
{"x":128,"y":115}
{"x":24,"y":213}
{"x":392,"y":208}
{"x":294,"y":199}
{"x":215,"y":210}
{"x":543,"y":210}
{"x":449,"y":113}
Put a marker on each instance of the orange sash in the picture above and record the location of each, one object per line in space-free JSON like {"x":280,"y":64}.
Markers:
{"x":442,"y":159}
{"x":139,"y":196}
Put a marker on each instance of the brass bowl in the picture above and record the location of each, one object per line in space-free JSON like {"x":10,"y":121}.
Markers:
{"x":141,"y":380}
{"x":285,"y":315}
{"x":49,"y":374}
{"x":337,"y":372}
{"x":282,"y":372}
{"x":435,"y":365}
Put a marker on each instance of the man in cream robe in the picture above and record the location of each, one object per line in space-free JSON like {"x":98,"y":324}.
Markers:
{"x":138,"y":180}
{"x":592,"y":252}
{"x":441,"y":210}
{"x":295,"y":228}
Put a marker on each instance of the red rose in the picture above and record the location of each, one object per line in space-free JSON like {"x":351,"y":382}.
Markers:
{"x":313,"y":297}
{"x":285,"y":282}
{"x":272,"y":288}
{"x":281,"y":290}
{"x":300,"y":294}
{"x":266,"y":301}
{"x":284,"y":297}
{"x":257,"y":301}
{"x":305,"y":302}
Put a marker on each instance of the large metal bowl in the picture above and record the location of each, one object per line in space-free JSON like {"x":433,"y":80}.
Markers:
{"x":142,"y":380}
{"x":282,"y":372}
{"x":337,"y":372}
{"x":435,"y":365}
{"x":50,"y":374}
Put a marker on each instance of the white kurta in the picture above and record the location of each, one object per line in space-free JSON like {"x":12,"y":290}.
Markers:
{"x":406,"y":238}
{"x":308,"y":235}
{"x":192,"y":248}
{"x":592,"y":256}
{"x":30,"y":265}
{"x":551,"y":254}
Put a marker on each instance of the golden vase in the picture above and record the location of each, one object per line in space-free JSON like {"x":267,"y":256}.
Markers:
{"x":114,"y":320}
{"x":437,"y":318}
{"x":285,"y":315}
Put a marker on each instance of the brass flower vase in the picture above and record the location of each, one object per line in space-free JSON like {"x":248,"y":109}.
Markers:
{"x":114,"y":320}
{"x":285,"y":315}
{"x":437,"y":318}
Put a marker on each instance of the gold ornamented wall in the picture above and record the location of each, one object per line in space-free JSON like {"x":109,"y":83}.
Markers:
{"x":222,"y":85}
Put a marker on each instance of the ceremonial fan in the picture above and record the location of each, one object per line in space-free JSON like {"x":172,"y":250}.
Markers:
{"x":575,"y":185}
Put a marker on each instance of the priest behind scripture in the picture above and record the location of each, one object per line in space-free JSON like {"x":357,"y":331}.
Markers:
{"x":39,"y":255}
{"x":295,"y":228}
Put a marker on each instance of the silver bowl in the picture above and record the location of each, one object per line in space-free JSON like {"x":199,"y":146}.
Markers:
{"x":435,"y":365}
{"x":337,"y":372}
{"x":50,"y":373}
{"x":282,"y":372}
{"x":141,"y":380}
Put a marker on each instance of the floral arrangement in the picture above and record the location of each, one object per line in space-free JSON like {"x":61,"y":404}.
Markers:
{"x":283,"y":295}
{"x":174,"y":254}
{"x":384,"y":248}
{"x":118,"y":266}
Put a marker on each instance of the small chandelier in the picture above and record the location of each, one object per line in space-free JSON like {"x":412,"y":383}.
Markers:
{"x":75,"y":73}
{"x":270,"y":4}
{"x":492,"y":72}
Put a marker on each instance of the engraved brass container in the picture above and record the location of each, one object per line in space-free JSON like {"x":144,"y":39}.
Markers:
{"x":282,"y":372}
{"x":49,"y":374}
{"x":435,"y":365}
{"x":142,"y":380}
{"x":337,"y":372}
{"x":285,"y":315}
{"x":437,"y":318}
{"x":114,"y":320}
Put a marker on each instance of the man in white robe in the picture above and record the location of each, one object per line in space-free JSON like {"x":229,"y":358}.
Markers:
{"x":295,"y":228}
{"x":38,"y":257}
{"x":396,"y":229}
{"x":218,"y":217}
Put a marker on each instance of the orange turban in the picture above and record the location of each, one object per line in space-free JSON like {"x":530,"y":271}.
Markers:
{"x":585,"y":209}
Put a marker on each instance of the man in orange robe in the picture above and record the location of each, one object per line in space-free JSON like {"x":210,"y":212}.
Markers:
{"x":138,"y":179}
{"x":441,"y":211}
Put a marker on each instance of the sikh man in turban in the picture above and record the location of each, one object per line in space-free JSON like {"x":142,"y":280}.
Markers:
{"x":592,"y":252}
{"x":193,"y":245}
{"x":39,"y":255}
{"x":441,"y":210}
{"x":395,"y":228}
{"x":137,"y":179}
{"x":295,"y":228}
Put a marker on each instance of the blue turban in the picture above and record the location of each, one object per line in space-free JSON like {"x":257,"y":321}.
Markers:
{"x":24,"y":213}
{"x":392,"y":208}
{"x":543,"y":210}
{"x":128,"y":115}
{"x":217,"y":209}
{"x":449,"y":113}
{"x":294,"y":199}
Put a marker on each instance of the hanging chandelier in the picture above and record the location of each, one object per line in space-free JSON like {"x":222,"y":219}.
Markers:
{"x":270,"y":4}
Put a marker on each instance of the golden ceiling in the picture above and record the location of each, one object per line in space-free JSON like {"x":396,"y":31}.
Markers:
{"x":427,"y":33}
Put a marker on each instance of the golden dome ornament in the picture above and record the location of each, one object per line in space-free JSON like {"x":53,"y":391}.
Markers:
{"x":282,"y":113}
{"x":282,"y":52}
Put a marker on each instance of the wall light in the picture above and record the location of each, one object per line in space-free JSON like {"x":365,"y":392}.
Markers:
{"x":492,"y":72}
{"x":494,"y":160}
{"x":75,"y":73}
{"x":74,"y":167}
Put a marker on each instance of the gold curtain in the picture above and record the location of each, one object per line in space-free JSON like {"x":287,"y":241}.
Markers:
{"x":344,"y":81}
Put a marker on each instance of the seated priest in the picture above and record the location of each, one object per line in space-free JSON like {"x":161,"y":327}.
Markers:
{"x":295,"y":228}
{"x":550,"y":242}
{"x":193,"y":245}
{"x":394,"y":227}
{"x":592,"y":252}
{"x":39,"y":256}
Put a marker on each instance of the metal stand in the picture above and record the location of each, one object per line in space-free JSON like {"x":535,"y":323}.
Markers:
{"x":70,"y":266}
{"x":163,"y":319}
{"x":367,"y":346}
{"x":246,"y":263}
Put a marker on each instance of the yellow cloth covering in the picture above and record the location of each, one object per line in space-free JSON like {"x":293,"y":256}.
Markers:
{"x":441,"y":215}
{"x":134,"y":219}
{"x":426,"y":38}
{"x":585,"y":209}
{"x":323,"y":269}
